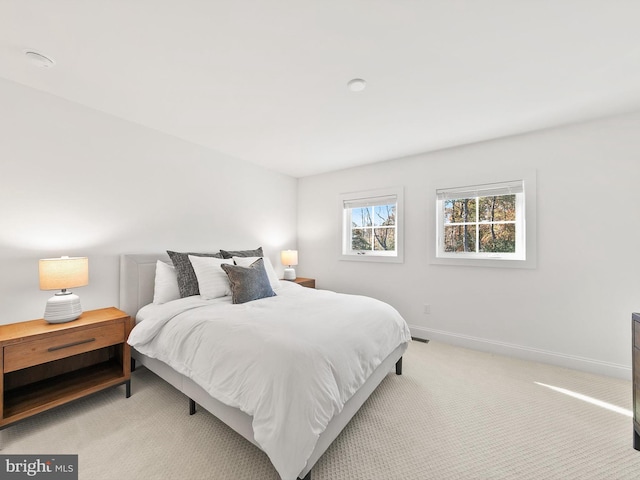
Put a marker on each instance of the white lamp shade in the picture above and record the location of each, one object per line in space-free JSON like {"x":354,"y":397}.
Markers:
{"x":289,"y":257}
{"x":64,"y":272}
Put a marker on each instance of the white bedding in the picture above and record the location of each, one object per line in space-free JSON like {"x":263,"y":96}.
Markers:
{"x":290,"y":361}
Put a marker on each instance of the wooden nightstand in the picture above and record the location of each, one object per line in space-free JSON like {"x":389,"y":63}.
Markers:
{"x":305,"y":282}
{"x":45,"y":365}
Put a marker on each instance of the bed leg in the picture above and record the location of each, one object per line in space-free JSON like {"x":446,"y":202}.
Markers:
{"x":133,"y":364}
{"x":192,"y":407}
{"x":306,"y":477}
{"x":399,"y":367}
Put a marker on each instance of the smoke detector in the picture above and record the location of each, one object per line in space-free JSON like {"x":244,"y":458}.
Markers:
{"x":38,"y":59}
{"x":356,"y":85}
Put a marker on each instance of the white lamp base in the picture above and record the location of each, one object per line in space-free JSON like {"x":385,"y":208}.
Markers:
{"x":289,"y":273}
{"x":63,"y":307}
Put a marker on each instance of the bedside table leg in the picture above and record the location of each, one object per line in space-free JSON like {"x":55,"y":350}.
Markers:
{"x":128,"y":387}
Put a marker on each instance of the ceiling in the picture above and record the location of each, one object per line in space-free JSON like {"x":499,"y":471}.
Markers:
{"x":266,"y":81}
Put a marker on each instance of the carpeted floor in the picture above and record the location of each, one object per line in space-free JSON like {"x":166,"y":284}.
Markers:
{"x":453,"y":414}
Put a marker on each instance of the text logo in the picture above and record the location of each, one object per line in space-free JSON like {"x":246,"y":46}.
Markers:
{"x":39,"y":467}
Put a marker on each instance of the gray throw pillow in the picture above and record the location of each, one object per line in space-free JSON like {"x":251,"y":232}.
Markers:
{"x":187,"y":280}
{"x":242,"y":253}
{"x":248,"y":283}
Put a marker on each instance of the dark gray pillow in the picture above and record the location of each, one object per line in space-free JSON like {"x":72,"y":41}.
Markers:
{"x":242,"y":253}
{"x":187,"y":280}
{"x":248,"y":283}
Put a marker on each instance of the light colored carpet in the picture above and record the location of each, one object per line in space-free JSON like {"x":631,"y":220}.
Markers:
{"x":453,"y":414}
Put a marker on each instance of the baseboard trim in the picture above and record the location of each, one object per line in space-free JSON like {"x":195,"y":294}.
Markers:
{"x":527,"y":353}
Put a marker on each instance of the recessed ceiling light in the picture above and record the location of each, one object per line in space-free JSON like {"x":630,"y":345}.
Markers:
{"x":356,"y":85}
{"x":39,"y":59}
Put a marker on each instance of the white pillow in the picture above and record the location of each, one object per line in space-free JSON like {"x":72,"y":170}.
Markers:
{"x":212,"y":280}
{"x":166,"y":284}
{"x":271,"y":273}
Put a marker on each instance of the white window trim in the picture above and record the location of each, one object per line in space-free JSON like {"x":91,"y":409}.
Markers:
{"x":522,"y":259}
{"x":379,"y":256}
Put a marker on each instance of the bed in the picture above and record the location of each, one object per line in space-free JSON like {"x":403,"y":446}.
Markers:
{"x":296,"y":458}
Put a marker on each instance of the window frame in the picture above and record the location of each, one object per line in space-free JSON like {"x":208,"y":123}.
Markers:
{"x":484,"y":191}
{"x":362,"y":198}
{"x":525,"y":256}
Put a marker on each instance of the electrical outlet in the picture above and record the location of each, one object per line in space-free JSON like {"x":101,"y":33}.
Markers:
{"x":427,"y":309}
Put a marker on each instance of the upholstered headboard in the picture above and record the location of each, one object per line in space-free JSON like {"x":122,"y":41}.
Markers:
{"x":137,"y":280}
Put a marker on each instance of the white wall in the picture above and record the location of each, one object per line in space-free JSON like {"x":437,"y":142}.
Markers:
{"x":573,"y":310}
{"x":74,"y":181}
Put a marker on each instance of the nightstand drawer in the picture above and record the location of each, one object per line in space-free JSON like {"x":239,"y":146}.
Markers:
{"x":55,"y":347}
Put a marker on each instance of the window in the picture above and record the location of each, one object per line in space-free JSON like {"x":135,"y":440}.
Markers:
{"x":372,"y":224}
{"x":482,"y":221}
{"x":490,"y":224}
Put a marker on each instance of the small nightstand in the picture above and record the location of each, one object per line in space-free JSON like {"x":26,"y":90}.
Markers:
{"x":305,"y":282}
{"x":45,"y":365}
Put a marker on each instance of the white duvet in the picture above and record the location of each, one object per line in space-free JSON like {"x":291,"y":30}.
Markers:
{"x":290,"y":361}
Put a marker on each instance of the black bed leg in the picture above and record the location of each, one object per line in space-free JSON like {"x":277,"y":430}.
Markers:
{"x":192,"y":407}
{"x":133,"y":364}
{"x":399,"y":367}
{"x":306,"y":477}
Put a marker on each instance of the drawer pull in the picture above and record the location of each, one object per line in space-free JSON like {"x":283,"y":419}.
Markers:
{"x":72,"y":344}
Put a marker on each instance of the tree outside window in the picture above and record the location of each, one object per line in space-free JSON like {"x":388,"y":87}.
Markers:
{"x":482,"y":221}
{"x":374,"y":228}
{"x":480,"y":224}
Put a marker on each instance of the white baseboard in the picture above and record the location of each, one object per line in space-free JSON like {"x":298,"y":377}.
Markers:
{"x":527,"y":353}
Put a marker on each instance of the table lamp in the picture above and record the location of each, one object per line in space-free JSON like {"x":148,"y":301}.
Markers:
{"x":289,"y":258}
{"x":61,"y":274}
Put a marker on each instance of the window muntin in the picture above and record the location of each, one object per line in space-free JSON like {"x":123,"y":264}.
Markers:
{"x":482,"y":221}
{"x":371,"y":225}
